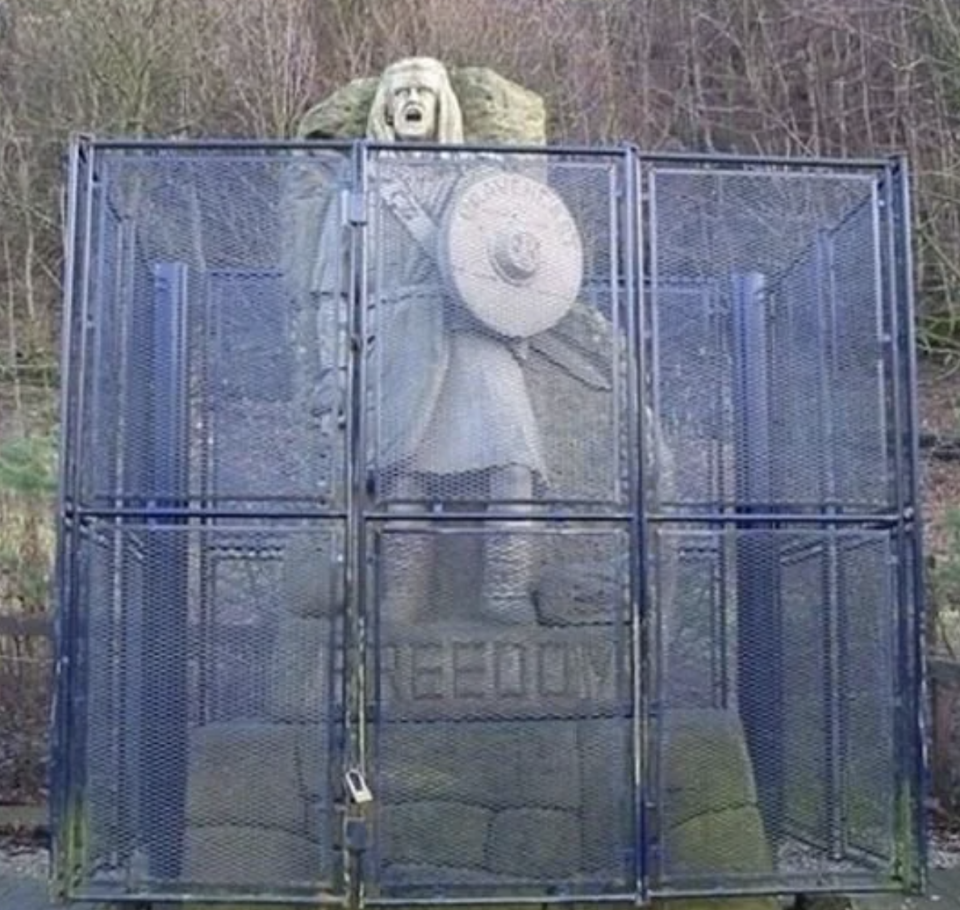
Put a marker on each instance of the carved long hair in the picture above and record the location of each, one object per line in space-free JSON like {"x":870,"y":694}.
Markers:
{"x":434,"y":74}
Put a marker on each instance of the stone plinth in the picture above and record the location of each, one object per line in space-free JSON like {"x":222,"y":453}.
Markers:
{"x":499,"y":757}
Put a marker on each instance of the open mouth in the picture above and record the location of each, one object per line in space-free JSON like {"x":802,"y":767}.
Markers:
{"x":413,"y":114}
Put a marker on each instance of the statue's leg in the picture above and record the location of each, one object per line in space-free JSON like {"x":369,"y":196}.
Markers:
{"x":509,"y":553}
{"x":407,"y":559}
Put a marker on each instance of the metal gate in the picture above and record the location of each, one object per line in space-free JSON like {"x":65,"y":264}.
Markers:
{"x":463,"y":524}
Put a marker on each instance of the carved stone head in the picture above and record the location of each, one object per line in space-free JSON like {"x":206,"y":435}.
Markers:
{"x":414,"y":101}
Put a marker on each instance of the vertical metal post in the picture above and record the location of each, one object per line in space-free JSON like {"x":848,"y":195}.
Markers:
{"x":760,"y":627}
{"x":651,"y":645}
{"x":65,"y":736}
{"x":833,"y":689}
{"x":163,"y":717}
{"x":912,"y":770}
{"x":640,"y":539}
{"x":356,"y":621}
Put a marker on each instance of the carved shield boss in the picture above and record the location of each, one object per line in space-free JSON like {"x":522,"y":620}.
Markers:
{"x":510,"y":251}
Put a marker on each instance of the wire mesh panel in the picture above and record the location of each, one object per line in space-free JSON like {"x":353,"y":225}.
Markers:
{"x":502,"y":749}
{"x":499,"y":324}
{"x":779,"y":380}
{"x":210,"y":702}
{"x":452,"y":524}
{"x":812,"y":802}
{"x":200,"y":754}
{"x":800,"y":250}
{"x":497,"y":390}
{"x":211,"y":332}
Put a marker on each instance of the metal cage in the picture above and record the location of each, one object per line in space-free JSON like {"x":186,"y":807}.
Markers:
{"x":293,"y":663}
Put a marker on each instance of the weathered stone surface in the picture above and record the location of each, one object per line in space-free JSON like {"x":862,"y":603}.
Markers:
{"x":491,"y":671}
{"x":494,"y":109}
{"x":243,"y":856}
{"x":412,"y":875}
{"x":717,"y":844}
{"x":342,"y":115}
{"x":605,"y":759}
{"x":706,"y":766}
{"x":536,"y":843}
{"x":716,"y":903}
{"x":434,"y":833}
{"x":253,"y":775}
{"x":570,"y":375}
{"x":312,"y":576}
{"x":492,"y":764}
{"x":299,"y":682}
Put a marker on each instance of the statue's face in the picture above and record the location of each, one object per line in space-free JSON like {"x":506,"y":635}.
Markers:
{"x":413,"y":108}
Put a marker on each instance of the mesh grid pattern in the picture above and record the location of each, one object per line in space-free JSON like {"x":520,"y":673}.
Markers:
{"x":770,"y":283}
{"x":565,"y":496}
{"x":217,"y":332}
{"x":213,"y":691}
{"x":775,"y":385}
{"x":811,"y":758}
{"x":502,"y":755}
{"x":475,"y":363}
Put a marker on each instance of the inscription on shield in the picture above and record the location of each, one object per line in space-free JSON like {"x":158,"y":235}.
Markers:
{"x":511,"y":252}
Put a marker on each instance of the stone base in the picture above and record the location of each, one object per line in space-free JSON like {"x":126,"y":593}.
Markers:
{"x":500,"y":758}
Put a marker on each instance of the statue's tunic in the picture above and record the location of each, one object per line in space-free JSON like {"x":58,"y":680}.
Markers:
{"x":451,"y":396}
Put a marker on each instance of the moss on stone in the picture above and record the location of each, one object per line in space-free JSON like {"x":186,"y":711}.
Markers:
{"x":706,"y":766}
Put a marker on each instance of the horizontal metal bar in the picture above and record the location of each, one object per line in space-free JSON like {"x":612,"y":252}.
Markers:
{"x":431,"y":516}
{"x":224,"y":144}
{"x":490,"y":901}
{"x":784,"y":888}
{"x":792,"y":162}
{"x":199,"y":897}
{"x":707,"y":158}
{"x":485,"y":515}
{"x":102,"y":500}
{"x":346,"y":145}
{"x":500,"y":150}
{"x":201,"y":513}
{"x":779,"y":518}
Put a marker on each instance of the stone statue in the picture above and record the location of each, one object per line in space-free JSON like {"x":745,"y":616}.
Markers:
{"x":455,"y":416}
{"x":504,"y":397}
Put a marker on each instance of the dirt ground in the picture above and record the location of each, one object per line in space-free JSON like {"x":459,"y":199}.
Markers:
{"x":939,"y":405}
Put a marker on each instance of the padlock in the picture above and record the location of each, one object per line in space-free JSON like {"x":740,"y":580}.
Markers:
{"x":357,"y":787}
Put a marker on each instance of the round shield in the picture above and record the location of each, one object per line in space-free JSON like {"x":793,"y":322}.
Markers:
{"x":511,"y":252}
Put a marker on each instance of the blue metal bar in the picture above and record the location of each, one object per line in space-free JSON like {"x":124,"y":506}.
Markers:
{"x":706,"y":159}
{"x":788,"y":162}
{"x":768,"y":516}
{"x":833,"y":620}
{"x":163,"y":657}
{"x":62,"y":728}
{"x":653,"y":641}
{"x":916,"y":686}
{"x":72,"y":669}
{"x":638,"y":433}
{"x":759,"y":627}
{"x":356,"y":502}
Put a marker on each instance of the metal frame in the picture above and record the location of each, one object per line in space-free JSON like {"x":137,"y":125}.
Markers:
{"x":754,"y":509}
